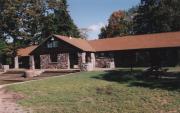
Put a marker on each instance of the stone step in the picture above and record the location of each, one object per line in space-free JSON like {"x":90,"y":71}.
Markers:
{"x":4,"y":76}
{"x":14,"y":72}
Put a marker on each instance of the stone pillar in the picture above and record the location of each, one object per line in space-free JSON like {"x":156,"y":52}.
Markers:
{"x":16,"y":63}
{"x":83,"y":58}
{"x":112,"y":65}
{"x":32,"y":63}
{"x":5,"y":68}
{"x":112,"y":61}
{"x":93,"y":59}
{"x":68,"y":58}
{"x":82,"y":61}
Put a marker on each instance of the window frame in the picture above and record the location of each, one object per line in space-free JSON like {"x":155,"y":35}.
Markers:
{"x":52,"y":44}
{"x":53,"y":58}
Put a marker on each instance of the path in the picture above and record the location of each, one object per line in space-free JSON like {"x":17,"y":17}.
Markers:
{"x":8,"y":102}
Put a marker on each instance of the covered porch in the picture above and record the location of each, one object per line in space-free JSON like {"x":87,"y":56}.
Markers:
{"x":84,"y":61}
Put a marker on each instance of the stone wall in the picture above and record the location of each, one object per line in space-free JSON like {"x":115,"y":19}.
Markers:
{"x":80,"y":64}
{"x":103,"y":62}
{"x":62,"y":61}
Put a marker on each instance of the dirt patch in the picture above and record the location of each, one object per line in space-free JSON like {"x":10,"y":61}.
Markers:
{"x":14,"y":78}
{"x":8,"y":102}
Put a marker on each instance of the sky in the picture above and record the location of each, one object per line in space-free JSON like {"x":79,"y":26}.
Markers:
{"x":94,"y":14}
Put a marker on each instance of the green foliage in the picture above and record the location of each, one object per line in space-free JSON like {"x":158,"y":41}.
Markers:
{"x":60,"y":21}
{"x":28,"y":22}
{"x":151,"y":16}
{"x":103,"y":33}
{"x":154,"y":16}
{"x":50,"y":17}
{"x":120,"y":24}
{"x":55,"y":19}
{"x":5,"y":50}
{"x":11,"y":20}
{"x":32,"y":23}
{"x":3,"y":47}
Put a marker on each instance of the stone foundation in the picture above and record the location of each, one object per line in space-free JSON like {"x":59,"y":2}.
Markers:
{"x":104,"y":62}
{"x":62,"y":62}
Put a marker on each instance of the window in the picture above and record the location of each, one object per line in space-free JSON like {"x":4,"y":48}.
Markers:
{"x":55,"y":44}
{"x":53,"y":57}
{"x":52,"y":44}
{"x":49,"y":45}
{"x":102,"y":55}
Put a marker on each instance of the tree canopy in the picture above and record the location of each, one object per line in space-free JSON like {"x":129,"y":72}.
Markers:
{"x":27,"y":22}
{"x":119,"y":24}
{"x":150,"y":16}
{"x":155,"y":16}
{"x":59,"y":20}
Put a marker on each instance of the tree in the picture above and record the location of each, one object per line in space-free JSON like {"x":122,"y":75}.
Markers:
{"x":84,"y":33}
{"x":119,"y":25}
{"x":155,"y":16}
{"x":30,"y":21}
{"x":27,"y":22}
{"x":104,"y":32}
{"x":63,"y":23}
{"x":5,"y":50}
{"x":11,"y":17}
{"x":34,"y":12}
{"x":3,"y":47}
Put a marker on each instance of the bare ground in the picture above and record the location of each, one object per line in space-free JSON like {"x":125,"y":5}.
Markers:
{"x":8,"y":102}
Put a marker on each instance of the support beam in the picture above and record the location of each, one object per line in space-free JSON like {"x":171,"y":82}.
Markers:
{"x":112,"y":62}
{"x":82,"y":61}
{"x":93,"y":60}
{"x":68,"y":58}
{"x":32,"y":63}
{"x":16,"y":63}
{"x":112,"y":65}
{"x":83,"y":57}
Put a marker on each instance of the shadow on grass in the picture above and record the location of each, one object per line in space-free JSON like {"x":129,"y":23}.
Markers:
{"x":169,"y":81}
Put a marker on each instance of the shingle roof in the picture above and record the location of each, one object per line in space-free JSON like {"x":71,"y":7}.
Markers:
{"x":26,"y":50}
{"x":136,"y":42}
{"x":77,"y":42}
{"x":148,"y":41}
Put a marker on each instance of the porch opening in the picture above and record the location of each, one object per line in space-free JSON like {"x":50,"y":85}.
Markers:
{"x":24,"y":62}
{"x":73,"y":57}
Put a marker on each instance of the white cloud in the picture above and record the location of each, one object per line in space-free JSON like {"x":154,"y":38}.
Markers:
{"x":96,"y":27}
{"x":94,"y":30}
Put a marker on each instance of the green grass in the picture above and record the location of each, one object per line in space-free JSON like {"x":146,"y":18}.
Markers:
{"x":98,"y":92}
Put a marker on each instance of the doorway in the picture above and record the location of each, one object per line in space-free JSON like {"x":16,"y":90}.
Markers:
{"x":37,"y":61}
{"x":73,"y":57}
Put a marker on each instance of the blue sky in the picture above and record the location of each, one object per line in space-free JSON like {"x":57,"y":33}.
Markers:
{"x":93,"y":14}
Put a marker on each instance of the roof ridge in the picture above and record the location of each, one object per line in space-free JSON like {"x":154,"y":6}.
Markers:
{"x":137,"y":36}
{"x":80,"y":43}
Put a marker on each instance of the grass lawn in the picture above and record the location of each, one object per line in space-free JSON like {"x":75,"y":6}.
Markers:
{"x":100,"y":92}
